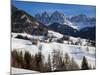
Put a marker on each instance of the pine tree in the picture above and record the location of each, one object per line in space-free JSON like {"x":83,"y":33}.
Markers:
{"x":21,"y":59}
{"x":84,"y":64}
{"x":14,"y":60}
{"x":74,"y":65}
{"x":67,"y":61}
{"x":33,"y":63}
{"x":39,"y":61}
{"x":63,"y":66}
{"x":27,"y":60}
{"x":49,"y":63}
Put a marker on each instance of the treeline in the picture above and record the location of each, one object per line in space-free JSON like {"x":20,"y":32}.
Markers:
{"x":56,"y":62}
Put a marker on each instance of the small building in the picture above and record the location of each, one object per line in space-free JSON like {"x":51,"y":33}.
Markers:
{"x":35,"y":41}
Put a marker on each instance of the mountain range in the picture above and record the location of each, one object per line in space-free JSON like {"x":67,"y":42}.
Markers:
{"x":78,"y":22}
{"x":77,"y":26}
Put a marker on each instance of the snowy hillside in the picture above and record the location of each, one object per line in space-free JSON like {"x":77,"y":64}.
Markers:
{"x":81,"y":25}
{"x":55,"y":34}
{"x":74,"y":51}
{"x":67,"y":22}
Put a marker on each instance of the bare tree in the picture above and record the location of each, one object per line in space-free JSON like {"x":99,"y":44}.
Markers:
{"x":57,"y":60}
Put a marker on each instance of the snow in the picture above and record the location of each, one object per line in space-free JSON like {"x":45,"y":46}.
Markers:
{"x":77,"y":52}
{"x":23,"y":34}
{"x":23,"y":16}
{"x":26,"y":45}
{"x":70,"y":24}
{"x":21,"y":71}
{"x":78,"y":25}
{"x":83,"y":41}
{"x":81,"y":25}
{"x":74,"y":51}
{"x":55,"y":34}
{"x":28,"y":36}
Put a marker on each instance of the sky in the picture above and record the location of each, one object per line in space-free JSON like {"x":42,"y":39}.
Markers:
{"x":68,"y":9}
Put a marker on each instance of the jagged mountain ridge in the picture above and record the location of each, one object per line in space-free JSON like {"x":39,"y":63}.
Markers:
{"x":49,"y":19}
{"x":82,"y":21}
{"x":78,"y":22}
{"x":82,"y":18}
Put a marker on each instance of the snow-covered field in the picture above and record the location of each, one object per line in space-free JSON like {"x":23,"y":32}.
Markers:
{"x":21,"y":71}
{"x":74,"y":51}
{"x":55,"y":34}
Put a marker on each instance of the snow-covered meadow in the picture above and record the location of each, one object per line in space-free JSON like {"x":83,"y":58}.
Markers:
{"x":74,"y":51}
